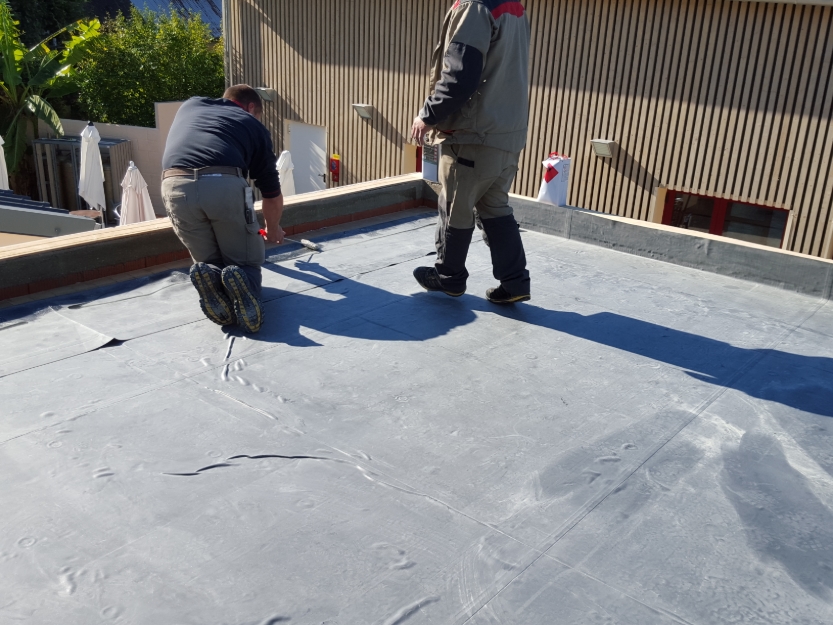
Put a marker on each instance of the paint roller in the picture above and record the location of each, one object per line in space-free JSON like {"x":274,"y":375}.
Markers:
{"x":305,"y":242}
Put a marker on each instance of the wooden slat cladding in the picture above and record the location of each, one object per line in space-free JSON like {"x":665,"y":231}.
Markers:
{"x":718,"y":97}
{"x":322,"y":56}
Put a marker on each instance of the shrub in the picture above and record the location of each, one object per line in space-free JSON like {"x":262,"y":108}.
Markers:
{"x":144,"y":58}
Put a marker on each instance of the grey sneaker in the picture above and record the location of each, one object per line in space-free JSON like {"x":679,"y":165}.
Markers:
{"x":214,"y":302}
{"x":247,"y":305}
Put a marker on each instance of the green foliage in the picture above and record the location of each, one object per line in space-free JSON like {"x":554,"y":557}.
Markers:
{"x":33,"y":76}
{"x":39,"y":18}
{"x":146,"y":58}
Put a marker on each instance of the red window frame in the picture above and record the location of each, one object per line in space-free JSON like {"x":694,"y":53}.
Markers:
{"x":721,"y":209}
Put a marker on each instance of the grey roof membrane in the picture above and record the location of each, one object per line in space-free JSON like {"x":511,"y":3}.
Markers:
{"x":641,"y":443}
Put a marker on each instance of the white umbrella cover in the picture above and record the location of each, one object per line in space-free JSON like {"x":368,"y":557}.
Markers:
{"x":4,"y":173}
{"x":135,"y":199}
{"x":285,"y":174}
{"x":91,"y":183}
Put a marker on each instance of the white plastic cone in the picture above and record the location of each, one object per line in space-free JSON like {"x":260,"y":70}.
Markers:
{"x":135,"y":199}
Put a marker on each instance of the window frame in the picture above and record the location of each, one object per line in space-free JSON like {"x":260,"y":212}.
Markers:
{"x":719,"y":214}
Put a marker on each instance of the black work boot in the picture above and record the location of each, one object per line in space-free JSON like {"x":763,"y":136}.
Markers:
{"x":508,"y":260}
{"x":449,"y":274}
{"x":430,"y":280}
{"x":214,"y":302}
{"x":499,"y":295}
{"x":247,"y":305}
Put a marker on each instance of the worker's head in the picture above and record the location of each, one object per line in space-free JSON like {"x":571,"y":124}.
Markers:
{"x":247,"y":98}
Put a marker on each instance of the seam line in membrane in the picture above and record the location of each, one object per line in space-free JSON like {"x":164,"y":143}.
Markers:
{"x":367,"y":472}
{"x":591,"y":505}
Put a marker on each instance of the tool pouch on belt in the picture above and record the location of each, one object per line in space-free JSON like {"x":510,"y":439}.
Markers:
{"x":249,"y":203}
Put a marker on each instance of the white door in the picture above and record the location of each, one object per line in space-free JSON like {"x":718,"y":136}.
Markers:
{"x":308,"y":146}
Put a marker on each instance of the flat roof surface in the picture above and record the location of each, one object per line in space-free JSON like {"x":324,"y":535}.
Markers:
{"x":640,"y":443}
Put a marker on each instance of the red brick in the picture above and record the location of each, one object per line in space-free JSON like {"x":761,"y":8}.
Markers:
{"x":332,"y":221}
{"x":14,"y":291}
{"x":45,"y":285}
{"x":91,"y":274}
{"x":325,"y":223}
{"x":103,"y":272}
{"x":73,"y":278}
{"x":312,"y":225}
{"x":134,"y":265}
{"x":162,"y":259}
{"x":373,"y":212}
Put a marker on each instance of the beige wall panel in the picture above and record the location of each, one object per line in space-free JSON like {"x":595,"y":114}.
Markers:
{"x":725,"y":98}
{"x":815,"y":135}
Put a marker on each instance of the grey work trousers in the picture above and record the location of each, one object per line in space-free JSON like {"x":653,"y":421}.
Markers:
{"x":209,"y":217}
{"x":479,"y":177}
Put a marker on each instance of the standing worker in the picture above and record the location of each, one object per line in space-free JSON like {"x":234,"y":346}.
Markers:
{"x":477,"y":112}
{"x":214,"y":145}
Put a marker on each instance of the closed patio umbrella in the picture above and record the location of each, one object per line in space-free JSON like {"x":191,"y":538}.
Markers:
{"x":91,"y":183}
{"x":287,"y":179}
{"x":4,"y":173}
{"x":135,"y":199}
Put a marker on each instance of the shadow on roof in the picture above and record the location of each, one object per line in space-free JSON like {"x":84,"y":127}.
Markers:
{"x":758,"y":373}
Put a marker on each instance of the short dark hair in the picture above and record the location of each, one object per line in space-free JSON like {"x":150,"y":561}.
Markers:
{"x":245,"y":95}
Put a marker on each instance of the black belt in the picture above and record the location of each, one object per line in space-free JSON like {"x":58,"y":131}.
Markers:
{"x":202,"y":171}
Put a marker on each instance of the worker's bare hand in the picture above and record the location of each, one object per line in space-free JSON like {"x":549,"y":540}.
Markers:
{"x":275,"y":235}
{"x":419,"y":130}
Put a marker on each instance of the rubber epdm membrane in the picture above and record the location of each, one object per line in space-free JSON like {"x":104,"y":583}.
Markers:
{"x":640,"y":443}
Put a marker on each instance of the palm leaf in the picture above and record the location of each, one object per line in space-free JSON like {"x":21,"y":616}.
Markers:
{"x":45,"y":42}
{"x":35,"y":53}
{"x":44,"y":111}
{"x":61,"y":87}
{"x":76,"y":47}
{"x":49,"y":68}
{"x":15,"y":143}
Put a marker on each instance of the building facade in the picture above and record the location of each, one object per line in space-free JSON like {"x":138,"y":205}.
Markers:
{"x":719,"y":110}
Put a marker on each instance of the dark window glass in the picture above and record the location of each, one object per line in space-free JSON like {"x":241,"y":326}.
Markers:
{"x":755,"y":224}
{"x":692,"y":212}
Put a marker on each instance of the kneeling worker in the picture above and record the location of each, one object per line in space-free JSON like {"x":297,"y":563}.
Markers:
{"x":477,"y":111}
{"x":213,"y":146}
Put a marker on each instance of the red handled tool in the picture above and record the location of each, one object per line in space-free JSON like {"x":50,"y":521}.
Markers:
{"x":305,"y":242}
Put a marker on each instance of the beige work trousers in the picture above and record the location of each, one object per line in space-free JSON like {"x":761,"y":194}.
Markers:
{"x":209,"y":216}
{"x":476,"y":176}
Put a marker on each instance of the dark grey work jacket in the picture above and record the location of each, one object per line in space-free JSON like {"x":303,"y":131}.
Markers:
{"x":480,"y":76}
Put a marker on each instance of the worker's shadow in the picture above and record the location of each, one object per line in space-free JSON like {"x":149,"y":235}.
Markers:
{"x":338,"y":308}
{"x":351,"y":308}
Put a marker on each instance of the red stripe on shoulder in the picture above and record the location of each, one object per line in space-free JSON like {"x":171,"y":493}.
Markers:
{"x":456,"y":4}
{"x":513,"y":8}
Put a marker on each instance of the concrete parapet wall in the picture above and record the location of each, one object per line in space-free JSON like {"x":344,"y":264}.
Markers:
{"x":29,"y":268}
{"x":332,"y":207}
{"x":747,"y":261}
